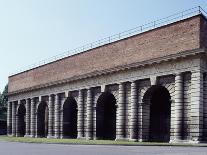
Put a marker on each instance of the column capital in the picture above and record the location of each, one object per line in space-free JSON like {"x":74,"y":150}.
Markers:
{"x":67,"y":94}
{"x":50,"y":97}
{"x":133,"y":81}
{"x":28,"y":100}
{"x":153,"y":80}
{"x":178,"y":74}
{"x":121,"y":83}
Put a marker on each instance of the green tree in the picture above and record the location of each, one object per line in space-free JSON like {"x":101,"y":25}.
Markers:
{"x":4,"y":97}
{"x":3,"y":103}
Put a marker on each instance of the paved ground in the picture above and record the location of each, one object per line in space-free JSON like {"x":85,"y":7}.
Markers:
{"x":12,"y":148}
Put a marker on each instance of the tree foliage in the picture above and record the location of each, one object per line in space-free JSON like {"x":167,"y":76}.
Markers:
{"x":4,"y":97}
{"x":3,"y":102}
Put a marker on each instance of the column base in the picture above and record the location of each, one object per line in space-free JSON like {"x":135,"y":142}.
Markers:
{"x":143,"y":140}
{"x":57,"y":137}
{"x":174,"y":141}
{"x":81,"y":138}
{"x":50,"y":137}
{"x":32,"y":136}
{"x":133,"y":140}
{"x":9,"y":135}
{"x":121,"y":139}
{"x":89,"y":138}
{"x":27,"y":136}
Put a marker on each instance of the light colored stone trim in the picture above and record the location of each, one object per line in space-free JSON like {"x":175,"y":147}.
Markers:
{"x":133,"y":112}
{"x":197,"y":106}
{"x":89,"y":119}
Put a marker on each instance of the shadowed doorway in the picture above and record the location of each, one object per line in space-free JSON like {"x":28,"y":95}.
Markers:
{"x":70,"y":118}
{"x":106,"y":117}
{"x":21,"y":124}
{"x":157,"y":107}
{"x":42,"y":120}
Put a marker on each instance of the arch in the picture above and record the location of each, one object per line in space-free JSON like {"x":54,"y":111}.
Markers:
{"x":42,"y":119}
{"x":106,"y":116}
{"x":157,"y":114}
{"x":70,"y":112}
{"x":21,"y":123}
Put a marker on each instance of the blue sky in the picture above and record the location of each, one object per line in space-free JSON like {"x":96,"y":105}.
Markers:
{"x":34,"y":30}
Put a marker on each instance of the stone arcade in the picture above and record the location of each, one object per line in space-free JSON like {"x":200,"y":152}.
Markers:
{"x":148,"y":87}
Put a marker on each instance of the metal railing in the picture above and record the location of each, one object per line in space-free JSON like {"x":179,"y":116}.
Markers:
{"x":125,"y":34}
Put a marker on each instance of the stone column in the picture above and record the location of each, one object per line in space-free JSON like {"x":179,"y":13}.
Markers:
{"x":14,"y":118}
{"x":61,"y":119}
{"x":36,"y":117}
{"x":28,"y":112}
{"x":178,"y":108}
{"x":94,"y":122}
{"x":120,"y":114}
{"x":57,"y":116}
{"x":17,"y":120}
{"x":196,"y":106}
{"x":33,"y":118}
{"x":140,"y":122}
{"x":89,"y":120}
{"x":50,"y":120}
{"x":133,"y":112}
{"x":80,"y":119}
{"x":9,"y":118}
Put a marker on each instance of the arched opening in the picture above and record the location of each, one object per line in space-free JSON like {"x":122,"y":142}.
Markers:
{"x":70,"y":118}
{"x":42,"y":120}
{"x":106,"y":117}
{"x":157,"y":107}
{"x":21,"y":123}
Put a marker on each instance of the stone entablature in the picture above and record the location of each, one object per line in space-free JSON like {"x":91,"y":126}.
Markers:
{"x":146,"y":46}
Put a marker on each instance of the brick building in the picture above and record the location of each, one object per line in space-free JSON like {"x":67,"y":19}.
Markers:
{"x":151,"y":86}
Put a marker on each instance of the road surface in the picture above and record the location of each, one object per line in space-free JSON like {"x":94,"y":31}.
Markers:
{"x":14,"y":148}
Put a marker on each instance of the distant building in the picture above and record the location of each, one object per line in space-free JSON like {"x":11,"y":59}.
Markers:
{"x":148,"y":87}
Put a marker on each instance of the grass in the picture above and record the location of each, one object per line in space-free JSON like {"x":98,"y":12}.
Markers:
{"x":90,"y":142}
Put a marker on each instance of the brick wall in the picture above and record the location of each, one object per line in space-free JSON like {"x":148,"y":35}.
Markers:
{"x":203,"y":32}
{"x":167,"y":40}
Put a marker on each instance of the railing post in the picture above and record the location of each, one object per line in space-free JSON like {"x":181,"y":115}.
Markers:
{"x":199,"y":9}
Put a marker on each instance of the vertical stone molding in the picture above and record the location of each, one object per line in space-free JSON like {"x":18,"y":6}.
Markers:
{"x":50,"y":120}
{"x":61,"y":124}
{"x":33,"y":118}
{"x":36,"y":117}
{"x":178,"y":107}
{"x":57,"y":116}
{"x":133,"y":112}
{"x":120,"y":114}
{"x":9,"y":118}
{"x":61,"y":117}
{"x":14,"y":106}
{"x":89,"y":120}
{"x":28,"y":108}
{"x":80,"y":119}
{"x":140,"y":123}
{"x":17,"y":119}
{"x":196,"y":106}
{"x":94,"y":122}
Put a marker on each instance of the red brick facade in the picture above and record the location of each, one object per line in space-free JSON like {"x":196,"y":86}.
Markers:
{"x":171,"y":39}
